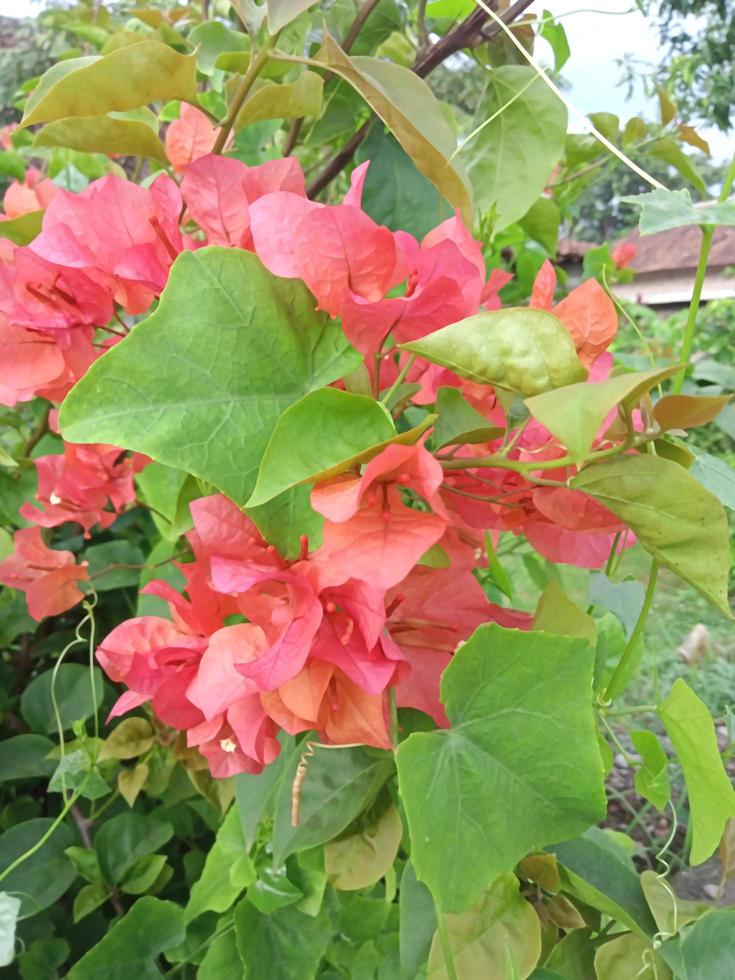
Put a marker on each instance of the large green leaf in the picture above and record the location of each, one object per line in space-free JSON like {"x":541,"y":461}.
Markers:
{"x":513,"y":698}
{"x":123,"y":839}
{"x":395,"y":193}
{"x":704,"y":950}
{"x":597,"y":871}
{"x":71,"y":688}
{"x":227,"y":870}
{"x":661,"y":210}
{"x":411,"y":111}
{"x":283,"y":101}
{"x":575,"y":413}
{"x":711,"y":796}
{"x":499,"y":933}
{"x":324,"y":433}
{"x":200,"y":384}
{"x":134,"y":943}
{"x":43,"y":877}
{"x":339,"y":784}
{"x":510,"y":159}
{"x":286,"y":945}
{"x":127,"y":78}
{"x":523,"y":350}
{"x":112,"y":134}
{"x":672,"y":515}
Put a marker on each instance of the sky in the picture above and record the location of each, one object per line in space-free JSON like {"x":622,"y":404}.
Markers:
{"x":597,"y":37}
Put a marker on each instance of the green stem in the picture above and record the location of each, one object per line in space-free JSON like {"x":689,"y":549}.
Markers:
{"x":399,"y":380}
{"x":42,"y":840}
{"x":441,"y":928}
{"x":613,"y":688}
{"x":248,"y":80}
{"x":528,"y":466}
{"x":708,"y":232}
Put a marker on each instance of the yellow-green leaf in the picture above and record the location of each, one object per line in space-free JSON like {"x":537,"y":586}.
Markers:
{"x":132,"y":737}
{"x":24,"y":229}
{"x":127,"y":78}
{"x":411,"y":111}
{"x":361,"y":860}
{"x":498,"y":936}
{"x":675,"y":519}
{"x":628,"y":956}
{"x":287,"y":101}
{"x":111,"y":134}
{"x":131,"y":781}
{"x":575,"y":413}
{"x":280,"y":12}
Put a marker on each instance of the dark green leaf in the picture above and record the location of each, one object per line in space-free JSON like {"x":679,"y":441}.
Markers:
{"x":43,"y":877}
{"x":111,"y":553}
{"x":417,"y":922}
{"x":596,"y":870}
{"x":704,"y":950}
{"x":122,"y":840}
{"x":541,"y":223}
{"x":396,"y":194}
{"x":339,"y":785}
{"x":287,"y":945}
{"x":227,"y":871}
{"x":24,"y":757}
{"x":74,"y":697}
{"x":133,"y":944}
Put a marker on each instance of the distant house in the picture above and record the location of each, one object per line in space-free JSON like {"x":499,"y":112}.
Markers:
{"x":665,"y":265}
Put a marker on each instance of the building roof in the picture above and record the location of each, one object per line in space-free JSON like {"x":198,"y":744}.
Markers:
{"x":678,"y":249}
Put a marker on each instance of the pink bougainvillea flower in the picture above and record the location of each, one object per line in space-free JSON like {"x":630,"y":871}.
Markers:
{"x":29,"y":362}
{"x":445,"y":280}
{"x":81,"y":484}
{"x":123,"y":236}
{"x":49,"y":578}
{"x":434,"y":609}
{"x":218,"y":192}
{"x":189,"y":137}
{"x":587,"y":312}
{"x":34,"y":194}
{"x":370,"y":533}
{"x":355,"y":255}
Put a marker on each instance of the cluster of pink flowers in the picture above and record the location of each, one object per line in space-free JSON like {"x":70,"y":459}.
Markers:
{"x":257,"y":643}
{"x":323,"y":638}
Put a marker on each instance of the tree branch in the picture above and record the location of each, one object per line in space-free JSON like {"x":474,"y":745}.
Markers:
{"x":468,"y":34}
